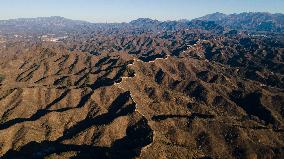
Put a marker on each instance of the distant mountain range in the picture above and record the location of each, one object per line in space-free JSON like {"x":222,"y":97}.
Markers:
{"x":42,"y":25}
{"x":248,"y":21}
{"x":217,"y":22}
{"x":257,"y":21}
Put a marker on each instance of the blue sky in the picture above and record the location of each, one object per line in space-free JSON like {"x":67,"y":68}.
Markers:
{"x":126,"y":10}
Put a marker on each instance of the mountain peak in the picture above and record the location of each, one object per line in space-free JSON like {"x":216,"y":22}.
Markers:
{"x":213,"y":17}
{"x":143,"y":21}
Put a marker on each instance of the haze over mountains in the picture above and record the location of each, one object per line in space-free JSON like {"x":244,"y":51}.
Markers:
{"x":211,"y":87}
{"x":244,"y":21}
{"x":248,"y":21}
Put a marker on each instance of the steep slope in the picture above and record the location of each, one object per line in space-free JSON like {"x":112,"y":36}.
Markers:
{"x":51,"y":102}
{"x":77,"y":105}
{"x":150,"y":89}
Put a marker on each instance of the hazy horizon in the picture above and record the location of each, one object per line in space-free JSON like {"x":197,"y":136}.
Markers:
{"x":102,"y":11}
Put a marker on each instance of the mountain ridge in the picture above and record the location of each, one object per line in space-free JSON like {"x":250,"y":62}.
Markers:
{"x":259,"y":21}
{"x":147,"y":90}
{"x":253,"y":22}
{"x":205,"y":17}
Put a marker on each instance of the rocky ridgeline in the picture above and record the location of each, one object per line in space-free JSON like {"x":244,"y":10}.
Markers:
{"x":164,"y":90}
